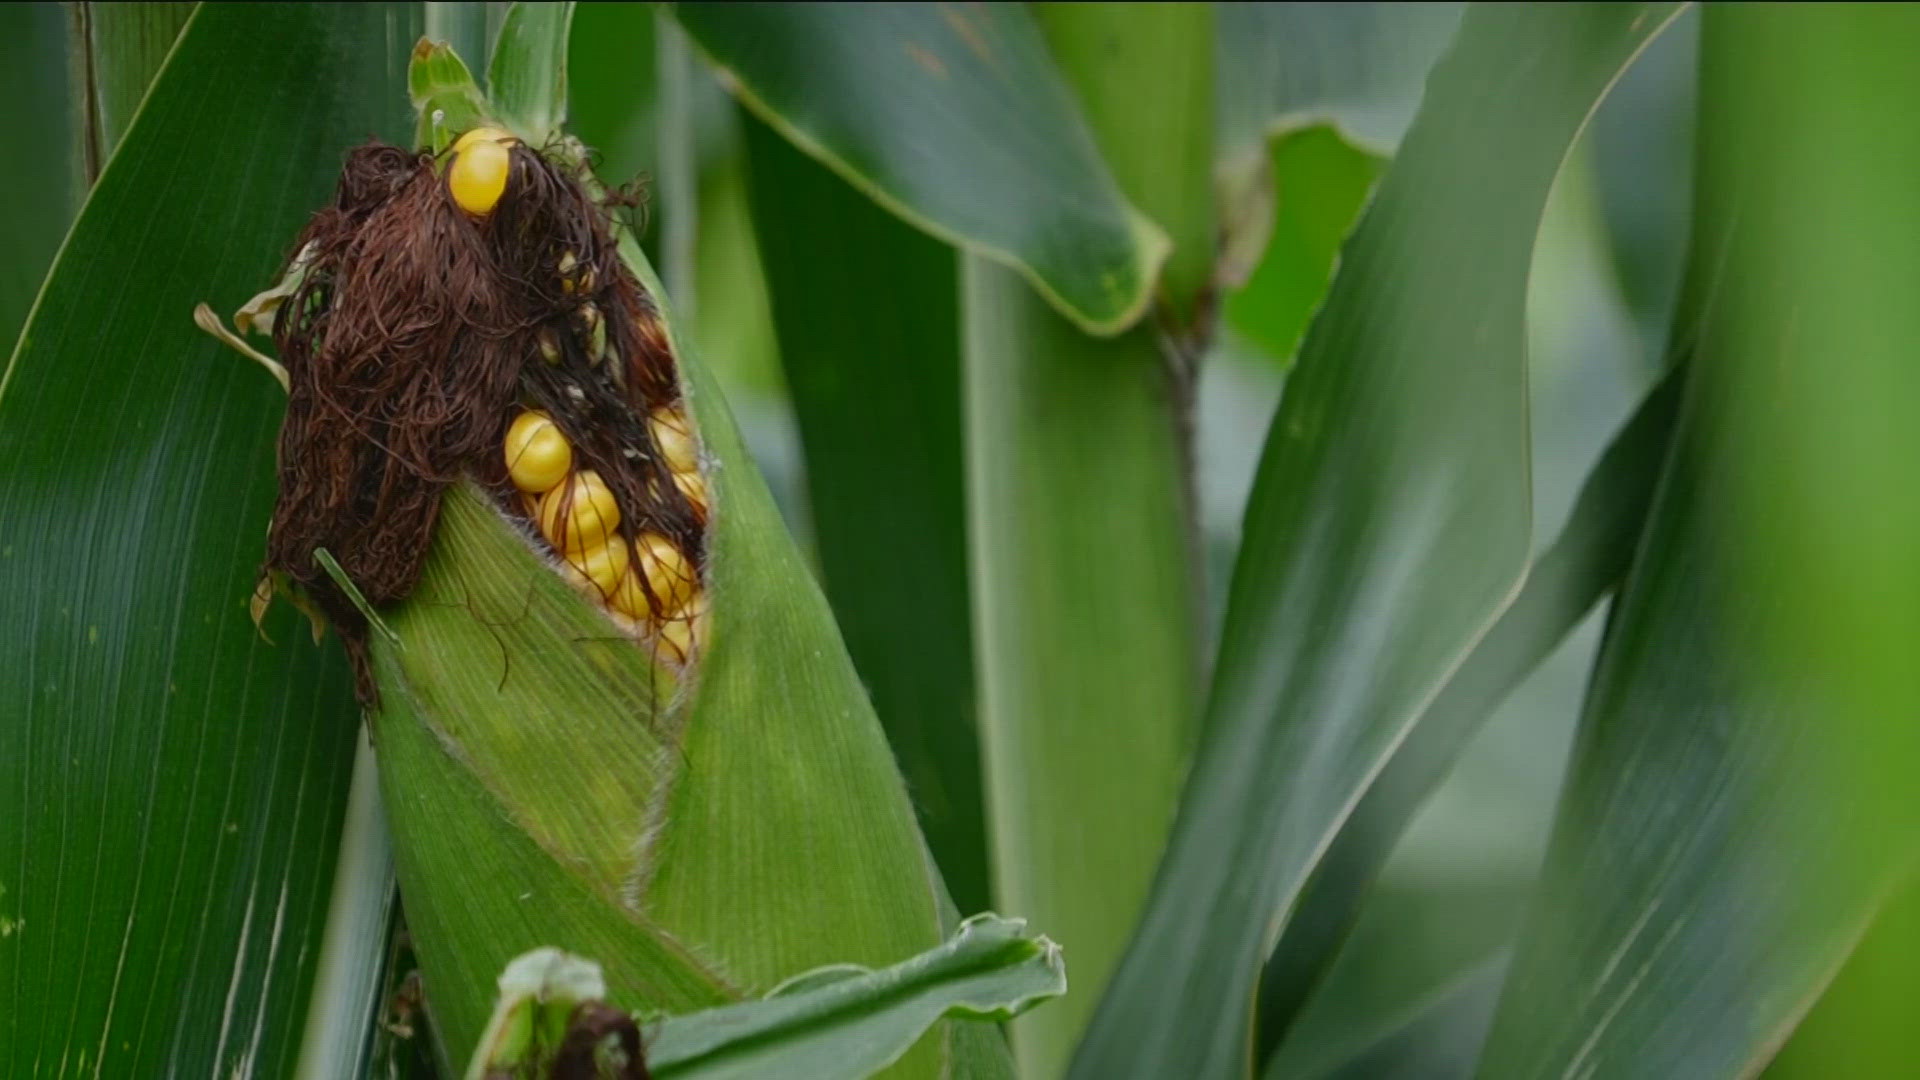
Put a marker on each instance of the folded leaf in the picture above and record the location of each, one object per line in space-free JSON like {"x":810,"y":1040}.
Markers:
{"x":954,"y":118}
{"x":1388,"y":527}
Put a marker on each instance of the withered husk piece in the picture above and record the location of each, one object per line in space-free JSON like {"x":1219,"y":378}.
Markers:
{"x":414,"y":338}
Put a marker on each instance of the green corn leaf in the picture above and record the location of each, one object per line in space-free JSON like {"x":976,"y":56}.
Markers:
{"x":1083,"y":565}
{"x":611,"y":88}
{"x":1739,"y":804}
{"x":177,"y":783}
{"x":850,"y":1022}
{"x":444,"y":95}
{"x":954,"y":118}
{"x":1155,"y":133}
{"x":548,"y":782}
{"x":125,"y":45}
{"x":1283,"y":69}
{"x":1387,"y":529}
{"x":527,"y":77}
{"x":1437,"y":1038}
{"x":46,"y":179}
{"x":1359,"y":67}
{"x":876,"y":391}
{"x":1081,"y":572}
{"x":843,"y":1021}
{"x":1319,"y":184}
{"x":1585,"y":562}
{"x":460,"y":24}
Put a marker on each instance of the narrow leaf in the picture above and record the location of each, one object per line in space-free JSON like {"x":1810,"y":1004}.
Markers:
{"x":1387,"y":529}
{"x":954,"y":118}
{"x":876,"y":390}
{"x":527,"y":77}
{"x":1080,"y":522}
{"x":1083,"y":617}
{"x":852,"y":1022}
{"x":176,"y":784}
{"x":1437,"y":1039}
{"x":443,"y":93}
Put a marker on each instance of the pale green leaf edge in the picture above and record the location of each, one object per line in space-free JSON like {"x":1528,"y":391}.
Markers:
{"x":990,"y":969}
{"x":1151,"y":244}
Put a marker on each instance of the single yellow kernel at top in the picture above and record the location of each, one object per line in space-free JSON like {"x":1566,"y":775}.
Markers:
{"x":490,"y":134}
{"x":659,"y":567}
{"x":538,"y":455}
{"x":601,"y":567}
{"x":580,"y":513}
{"x":478,"y":176}
{"x":674,"y":438}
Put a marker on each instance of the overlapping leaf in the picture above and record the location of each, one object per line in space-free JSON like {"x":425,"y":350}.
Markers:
{"x":176,"y":783}
{"x":953,"y":117}
{"x":1388,"y":527}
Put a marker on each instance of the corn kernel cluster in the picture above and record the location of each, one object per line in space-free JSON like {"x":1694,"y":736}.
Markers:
{"x":648,"y":585}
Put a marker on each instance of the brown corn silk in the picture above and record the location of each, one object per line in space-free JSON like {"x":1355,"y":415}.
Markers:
{"x":417,"y":336}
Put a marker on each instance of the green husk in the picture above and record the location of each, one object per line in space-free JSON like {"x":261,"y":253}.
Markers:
{"x":549,"y":782}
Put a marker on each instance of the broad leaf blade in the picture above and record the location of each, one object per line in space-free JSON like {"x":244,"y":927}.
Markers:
{"x":852,"y":1022}
{"x":1388,"y":527}
{"x":177,"y":782}
{"x":1740,"y":801}
{"x":1585,"y":562}
{"x":875,"y":385}
{"x":954,"y":118}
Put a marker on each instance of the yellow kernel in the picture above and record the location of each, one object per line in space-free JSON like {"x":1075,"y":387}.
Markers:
{"x":694,"y":487}
{"x":685,"y":635}
{"x":659,"y":567}
{"x":674,"y":438}
{"x":538,"y":456}
{"x":601,"y":567}
{"x":580,"y":513}
{"x":572,"y":281}
{"x":490,"y":134}
{"x":478,"y":176}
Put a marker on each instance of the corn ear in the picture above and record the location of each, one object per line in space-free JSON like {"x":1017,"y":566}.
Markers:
{"x":704,"y":832}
